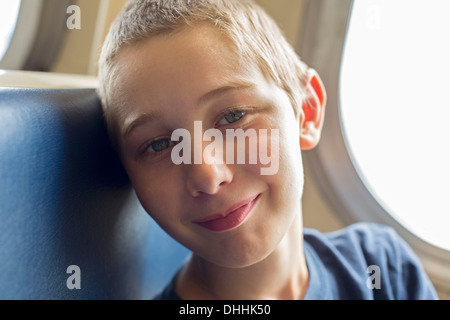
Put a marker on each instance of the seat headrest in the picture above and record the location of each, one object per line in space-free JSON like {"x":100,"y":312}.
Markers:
{"x":66,"y":200}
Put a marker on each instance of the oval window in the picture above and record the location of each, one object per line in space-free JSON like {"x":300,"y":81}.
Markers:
{"x":9,"y":11}
{"x":395,"y":109}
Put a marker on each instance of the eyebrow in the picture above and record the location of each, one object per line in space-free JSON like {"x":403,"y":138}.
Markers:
{"x":217,"y":93}
{"x":211,"y":95}
{"x":139,"y":121}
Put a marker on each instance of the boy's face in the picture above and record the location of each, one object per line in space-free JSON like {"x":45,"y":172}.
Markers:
{"x":168,"y":82}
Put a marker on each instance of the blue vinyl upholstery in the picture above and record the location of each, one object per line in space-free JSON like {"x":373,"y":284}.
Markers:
{"x":65,"y":200}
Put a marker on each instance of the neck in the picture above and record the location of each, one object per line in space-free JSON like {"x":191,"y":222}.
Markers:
{"x":283,"y":275}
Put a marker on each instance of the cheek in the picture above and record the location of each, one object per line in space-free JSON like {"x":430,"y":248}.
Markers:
{"x":156,"y":190}
{"x":286,"y":187}
{"x":279,"y":158}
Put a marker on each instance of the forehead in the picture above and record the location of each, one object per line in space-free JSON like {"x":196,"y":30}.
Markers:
{"x":179,"y":65}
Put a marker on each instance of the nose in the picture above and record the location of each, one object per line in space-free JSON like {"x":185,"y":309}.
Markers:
{"x":207,"y":178}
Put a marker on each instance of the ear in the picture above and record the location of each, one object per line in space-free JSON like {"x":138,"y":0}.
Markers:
{"x":313,"y":111}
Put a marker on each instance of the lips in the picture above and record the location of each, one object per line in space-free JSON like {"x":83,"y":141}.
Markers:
{"x":231,"y":218}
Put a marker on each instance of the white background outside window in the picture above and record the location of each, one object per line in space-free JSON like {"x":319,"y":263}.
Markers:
{"x":395,"y":109}
{"x":9,"y":10}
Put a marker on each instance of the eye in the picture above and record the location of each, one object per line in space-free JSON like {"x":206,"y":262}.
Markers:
{"x":231,"y":117}
{"x":159,"y":145}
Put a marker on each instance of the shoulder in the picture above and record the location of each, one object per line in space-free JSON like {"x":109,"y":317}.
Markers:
{"x":356,"y":231}
{"x":359,"y":239}
{"x":168,"y":293}
{"x":361,"y":247}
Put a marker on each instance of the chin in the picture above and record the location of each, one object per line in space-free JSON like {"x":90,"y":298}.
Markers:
{"x":238,"y":262}
{"x":241,"y":254}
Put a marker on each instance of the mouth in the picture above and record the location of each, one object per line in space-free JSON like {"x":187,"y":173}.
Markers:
{"x":231,"y":218}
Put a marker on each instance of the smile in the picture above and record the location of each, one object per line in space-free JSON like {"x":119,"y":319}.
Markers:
{"x":230,"y":219}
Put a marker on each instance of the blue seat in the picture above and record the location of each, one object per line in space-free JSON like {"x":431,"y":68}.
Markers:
{"x":65,"y":200}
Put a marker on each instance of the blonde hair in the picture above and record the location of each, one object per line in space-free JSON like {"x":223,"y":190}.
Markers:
{"x":256,"y":36}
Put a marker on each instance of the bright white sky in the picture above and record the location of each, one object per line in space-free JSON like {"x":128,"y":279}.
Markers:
{"x":395,"y":98}
{"x":8,"y":17}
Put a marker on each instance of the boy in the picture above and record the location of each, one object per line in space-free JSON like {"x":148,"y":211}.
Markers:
{"x":221,"y":71}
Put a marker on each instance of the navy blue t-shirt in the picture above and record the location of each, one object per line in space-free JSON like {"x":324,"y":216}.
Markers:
{"x":360,"y":262}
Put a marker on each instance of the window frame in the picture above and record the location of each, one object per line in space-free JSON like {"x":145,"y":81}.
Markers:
{"x":37,"y":38}
{"x":322,"y":46}
{"x":23,"y":36}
